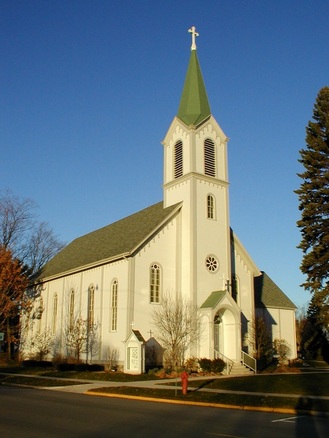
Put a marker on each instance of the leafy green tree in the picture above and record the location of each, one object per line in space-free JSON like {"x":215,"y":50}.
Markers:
{"x":314,"y":206}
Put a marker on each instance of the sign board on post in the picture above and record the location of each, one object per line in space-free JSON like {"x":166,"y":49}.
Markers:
{"x":2,"y":336}
{"x":135,"y":353}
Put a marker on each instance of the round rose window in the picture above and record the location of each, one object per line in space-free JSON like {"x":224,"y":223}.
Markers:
{"x":212,"y":263}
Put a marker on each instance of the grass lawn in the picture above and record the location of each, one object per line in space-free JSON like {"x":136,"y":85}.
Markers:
{"x":264,"y":401}
{"x":35,"y":381}
{"x":299,"y":383}
{"x":88,"y":375}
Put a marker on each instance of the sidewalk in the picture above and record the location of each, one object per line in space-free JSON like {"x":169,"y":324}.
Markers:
{"x":88,"y":385}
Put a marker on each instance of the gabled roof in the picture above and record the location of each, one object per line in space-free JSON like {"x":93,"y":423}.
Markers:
{"x":194,"y":106}
{"x":268,"y":294}
{"x":118,"y":239}
{"x":213,"y":299}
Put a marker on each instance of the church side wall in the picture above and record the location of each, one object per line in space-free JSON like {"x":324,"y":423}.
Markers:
{"x":164,"y":251}
{"x":282,"y":325}
{"x":245,"y":299}
{"x":101,"y":278}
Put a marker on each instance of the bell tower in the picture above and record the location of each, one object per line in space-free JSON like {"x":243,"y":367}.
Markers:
{"x":195,"y":174}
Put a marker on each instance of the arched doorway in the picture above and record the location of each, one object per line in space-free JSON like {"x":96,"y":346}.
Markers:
{"x":226,"y":333}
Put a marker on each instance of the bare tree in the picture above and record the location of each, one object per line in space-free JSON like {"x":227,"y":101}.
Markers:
{"x":76,"y":335}
{"x":177,"y":327}
{"x":31,"y":242}
{"x":16,"y":219}
{"x":42,"y":343}
{"x":40,"y":247}
{"x":92,"y":340}
{"x":113,"y":354}
{"x":282,"y":350}
{"x":260,"y":340}
{"x":301,"y":327}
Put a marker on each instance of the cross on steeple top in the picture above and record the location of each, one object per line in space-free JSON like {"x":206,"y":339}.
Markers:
{"x":194,"y":34}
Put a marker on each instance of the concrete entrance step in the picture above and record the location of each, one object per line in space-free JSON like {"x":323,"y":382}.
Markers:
{"x":240,"y":370}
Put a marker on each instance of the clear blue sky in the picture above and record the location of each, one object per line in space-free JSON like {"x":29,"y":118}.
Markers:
{"x":88,"y":89}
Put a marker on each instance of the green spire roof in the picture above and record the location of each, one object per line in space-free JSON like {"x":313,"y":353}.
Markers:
{"x":194,"y":106}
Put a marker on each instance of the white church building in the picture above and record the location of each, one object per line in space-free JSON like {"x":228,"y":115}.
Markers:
{"x":183,"y":245}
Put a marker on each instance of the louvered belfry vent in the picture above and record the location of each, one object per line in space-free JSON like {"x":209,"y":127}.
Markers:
{"x":178,"y":159}
{"x":209,"y":158}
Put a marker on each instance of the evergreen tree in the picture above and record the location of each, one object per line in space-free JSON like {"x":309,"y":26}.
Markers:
{"x":314,"y":206}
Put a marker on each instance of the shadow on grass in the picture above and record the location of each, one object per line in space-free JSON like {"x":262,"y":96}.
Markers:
{"x":204,"y":384}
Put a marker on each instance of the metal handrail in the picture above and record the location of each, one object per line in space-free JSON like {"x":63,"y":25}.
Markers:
{"x":228,"y":362}
{"x":249,"y":361}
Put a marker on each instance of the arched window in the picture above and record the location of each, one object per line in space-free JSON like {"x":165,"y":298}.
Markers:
{"x":155,"y":274}
{"x":91,"y":304}
{"x":209,"y":158}
{"x":210,"y":207}
{"x":178,"y":159}
{"x":71,"y":310}
{"x":114,"y":305}
{"x":55,"y":306}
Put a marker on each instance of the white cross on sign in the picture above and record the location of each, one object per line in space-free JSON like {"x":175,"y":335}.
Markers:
{"x":194,"y":34}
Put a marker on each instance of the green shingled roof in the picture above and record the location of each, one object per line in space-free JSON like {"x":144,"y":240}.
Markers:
{"x":268,"y":294}
{"x":119,"y":238}
{"x":213,"y":299}
{"x":194,"y":106}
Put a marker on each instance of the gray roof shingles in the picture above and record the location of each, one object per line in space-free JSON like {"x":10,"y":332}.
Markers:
{"x":268,"y":294}
{"x":115,"y":239}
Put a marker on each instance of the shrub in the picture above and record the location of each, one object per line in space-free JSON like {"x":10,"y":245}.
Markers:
{"x":192,"y":365}
{"x":64,"y":366}
{"x":205,"y":364}
{"x":153,"y":371}
{"x":211,"y":366}
{"x":217,"y":365}
{"x":96,"y":367}
{"x":282,"y":350}
{"x":81,"y":367}
{"x":31,"y":363}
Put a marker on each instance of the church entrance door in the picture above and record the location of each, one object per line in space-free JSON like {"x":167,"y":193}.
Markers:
{"x":225,"y":333}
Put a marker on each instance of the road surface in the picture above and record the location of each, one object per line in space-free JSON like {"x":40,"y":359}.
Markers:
{"x":37,"y":413}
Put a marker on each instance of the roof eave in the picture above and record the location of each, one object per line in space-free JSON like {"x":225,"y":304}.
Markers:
{"x":86,"y":267}
{"x":155,"y":230}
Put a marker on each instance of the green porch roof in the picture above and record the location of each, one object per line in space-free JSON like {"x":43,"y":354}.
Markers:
{"x":268,"y":294}
{"x":119,"y":238}
{"x":213,"y":299}
{"x":194,"y":106}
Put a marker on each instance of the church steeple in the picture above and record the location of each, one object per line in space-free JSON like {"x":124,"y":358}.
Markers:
{"x":194,"y":106}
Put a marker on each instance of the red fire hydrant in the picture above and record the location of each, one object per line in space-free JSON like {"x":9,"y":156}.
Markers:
{"x":184,"y":377}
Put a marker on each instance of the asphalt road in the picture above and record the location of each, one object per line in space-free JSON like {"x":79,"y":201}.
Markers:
{"x":26,"y":412}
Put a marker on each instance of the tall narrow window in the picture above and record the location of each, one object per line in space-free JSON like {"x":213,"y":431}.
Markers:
{"x":178,"y":159}
{"x":71,"y":310}
{"x":39,"y":313}
{"x":155,"y":283}
{"x":114,"y":306}
{"x":235,"y":287}
{"x":91,"y":303}
{"x":55,"y":305}
{"x":209,"y":158}
{"x":210,"y":207}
